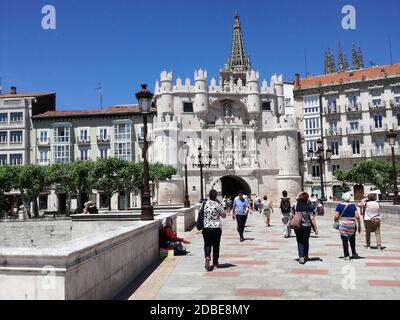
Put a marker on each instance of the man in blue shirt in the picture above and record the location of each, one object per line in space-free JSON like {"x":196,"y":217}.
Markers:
{"x":241,"y":209}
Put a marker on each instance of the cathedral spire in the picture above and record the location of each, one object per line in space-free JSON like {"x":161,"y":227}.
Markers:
{"x":345,"y":62}
{"x":340,"y":59}
{"x":356,"y":64}
{"x":360,"y":58}
{"x":238,"y":59}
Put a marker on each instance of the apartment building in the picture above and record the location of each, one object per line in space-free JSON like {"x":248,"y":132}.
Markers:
{"x":16,"y":110}
{"x":358,"y":108}
{"x":67,"y":136}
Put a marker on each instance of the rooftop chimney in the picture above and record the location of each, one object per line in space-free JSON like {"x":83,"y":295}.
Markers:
{"x":297,"y":80}
{"x":13,"y":90}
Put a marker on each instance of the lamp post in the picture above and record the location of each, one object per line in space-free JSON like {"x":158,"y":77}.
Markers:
{"x":186,"y":202}
{"x":392,"y":142}
{"x":144,"y":98}
{"x":321,"y":157}
{"x":201,"y":165}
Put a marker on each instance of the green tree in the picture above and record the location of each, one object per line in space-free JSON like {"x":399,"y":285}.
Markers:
{"x":106,"y":176}
{"x":7,"y":177}
{"x":30,"y":180}
{"x":82,"y":179}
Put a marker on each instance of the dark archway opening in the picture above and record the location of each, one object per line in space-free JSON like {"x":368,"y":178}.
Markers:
{"x":232,"y":184}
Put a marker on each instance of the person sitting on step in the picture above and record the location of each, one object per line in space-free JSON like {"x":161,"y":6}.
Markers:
{"x":169,"y":239}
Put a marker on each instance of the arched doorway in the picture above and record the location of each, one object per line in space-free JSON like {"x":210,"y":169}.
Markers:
{"x":232,"y":184}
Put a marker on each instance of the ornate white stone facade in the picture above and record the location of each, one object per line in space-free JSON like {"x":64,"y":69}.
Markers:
{"x":246,"y":135}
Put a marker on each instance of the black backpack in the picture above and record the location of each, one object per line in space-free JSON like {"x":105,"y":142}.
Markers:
{"x":200,"y":218}
{"x":285,"y":205}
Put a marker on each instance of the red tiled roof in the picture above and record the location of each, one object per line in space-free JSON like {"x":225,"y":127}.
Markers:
{"x":127,"y":109}
{"x":25,"y":95}
{"x":350,"y":76}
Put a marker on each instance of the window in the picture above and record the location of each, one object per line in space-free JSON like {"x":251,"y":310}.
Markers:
{"x":62,"y":134}
{"x":378,"y":121}
{"x":3,"y":137}
{"x":333,"y":125}
{"x":83,"y":135}
{"x":398,"y":119}
{"x":355,"y":145}
{"x":188,"y":107}
{"x":84,"y":155}
{"x":397,"y":99}
{"x":380,"y":143}
{"x":62,"y":154}
{"x":3,"y":117}
{"x":122,"y":131}
{"x":3,"y":159}
{"x":12,"y":102}
{"x":335,"y":148}
{"x":16,"y":117}
{"x":315,"y":171}
{"x":103,"y":153}
{"x":15,"y":137}
{"x":43,"y":136}
{"x":266,"y":106}
{"x":331,"y":100}
{"x":335,"y":167}
{"x":43,"y":156}
{"x":354,"y":126}
{"x":376,"y":102}
{"x":103,"y":134}
{"x":352,"y":101}
{"x":122,"y":150}
{"x":43,"y":202}
{"x":16,"y":159}
{"x":312,"y":144}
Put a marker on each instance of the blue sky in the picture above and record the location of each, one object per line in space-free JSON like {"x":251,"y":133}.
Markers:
{"x":123,"y":43}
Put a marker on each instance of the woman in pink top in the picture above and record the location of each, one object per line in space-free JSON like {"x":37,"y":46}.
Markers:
{"x":372,"y":220}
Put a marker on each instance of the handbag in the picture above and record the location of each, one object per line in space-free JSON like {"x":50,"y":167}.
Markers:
{"x":295,"y":221}
{"x":200,"y":218}
{"x":336,"y":223}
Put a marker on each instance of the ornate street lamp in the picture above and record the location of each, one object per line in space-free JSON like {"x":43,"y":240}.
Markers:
{"x":144,"y":98}
{"x":321,"y":157}
{"x":392,"y":142}
{"x":186,"y":202}
{"x":201,"y":165}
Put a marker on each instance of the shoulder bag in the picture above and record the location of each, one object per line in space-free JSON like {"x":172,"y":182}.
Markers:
{"x":336,"y":223}
{"x":200,"y":218}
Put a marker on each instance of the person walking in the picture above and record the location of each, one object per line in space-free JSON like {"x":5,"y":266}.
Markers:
{"x":229,"y":205}
{"x":372,"y":220}
{"x":347,"y":217}
{"x":286,"y":208}
{"x":307,"y":223}
{"x":212,"y":231}
{"x":267,"y":209}
{"x":241,"y":209}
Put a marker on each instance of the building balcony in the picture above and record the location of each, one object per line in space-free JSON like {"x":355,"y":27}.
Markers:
{"x":43,"y":162}
{"x":351,"y":155}
{"x":62,"y":140}
{"x":350,"y":130}
{"x":383,"y":152}
{"x":83,"y":140}
{"x":43,"y":142}
{"x":83,"y":159}
{"x":123,"y":136}
{"x":377,"y":106}
{"x":332,"y":110}
{"x":16,"y":123}
{"x":395,"y":104}
{"x":3,"y":142}
{"x":384,"y":128}
{"x":333,"y":132}
{"x":16,"y":143}
{"x":354,"y":108}
{"x":103,"y":139}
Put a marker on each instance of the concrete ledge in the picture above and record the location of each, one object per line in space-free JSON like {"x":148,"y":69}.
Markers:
{"x":187,"y":218}
{"x":97,"y":266}
{"x":390,"y":214}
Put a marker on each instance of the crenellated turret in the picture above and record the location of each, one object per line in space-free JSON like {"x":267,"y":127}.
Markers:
{"x":280,"y":95}
{"x":253,"y":101}
{"x":201,"y":92}
{"x":165,"y":104}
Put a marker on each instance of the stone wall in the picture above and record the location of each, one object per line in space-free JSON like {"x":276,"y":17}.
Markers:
{"x":390,"y":213}
{"x":97,"y":266}
{"x":35,"y":233}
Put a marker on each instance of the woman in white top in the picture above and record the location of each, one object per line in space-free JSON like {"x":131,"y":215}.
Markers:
{"x":372,"y":220}
{"x":267,"y":209}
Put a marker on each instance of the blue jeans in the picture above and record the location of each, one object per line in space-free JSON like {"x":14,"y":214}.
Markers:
{"x":177,"y":246}
{"x":303,"y":241}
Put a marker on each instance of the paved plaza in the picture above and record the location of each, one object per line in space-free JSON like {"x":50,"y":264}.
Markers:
{"x":265,"y":267}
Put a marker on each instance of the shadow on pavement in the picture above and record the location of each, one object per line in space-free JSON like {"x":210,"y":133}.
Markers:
{"x":226,"y":266}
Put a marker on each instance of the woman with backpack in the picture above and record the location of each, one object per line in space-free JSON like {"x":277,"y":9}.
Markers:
{"x":372,"y":220}
{"x":302,"y":221}
{"x":347,"y":218}
{"x":286,"y":208}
